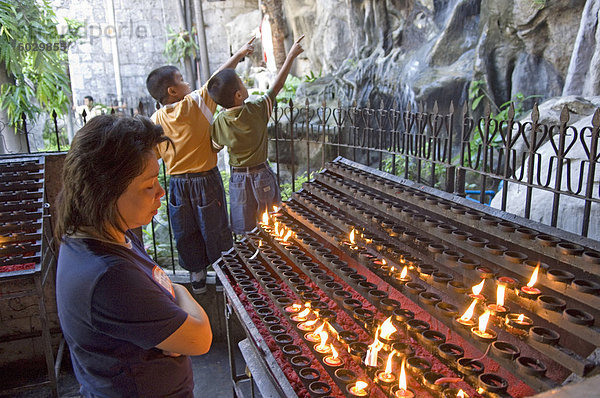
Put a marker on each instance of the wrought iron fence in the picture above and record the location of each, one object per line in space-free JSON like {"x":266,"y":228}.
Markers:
{"x":449,"y":151}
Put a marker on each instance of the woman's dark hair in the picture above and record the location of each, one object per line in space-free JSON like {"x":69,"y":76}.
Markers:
{"x":105,"y":156}
{"x":223,"y":86}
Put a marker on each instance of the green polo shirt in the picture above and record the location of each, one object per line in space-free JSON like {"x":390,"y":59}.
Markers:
{"x":243,"y":130}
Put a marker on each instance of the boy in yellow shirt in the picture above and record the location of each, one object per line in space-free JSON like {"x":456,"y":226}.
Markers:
{"x":197,"y":203}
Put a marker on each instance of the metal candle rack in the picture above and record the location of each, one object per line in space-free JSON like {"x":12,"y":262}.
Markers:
{"x":448,"y":244}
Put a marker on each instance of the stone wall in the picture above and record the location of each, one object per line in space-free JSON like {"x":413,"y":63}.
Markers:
{"x":140,"y":30}
{"x":229,"y":24}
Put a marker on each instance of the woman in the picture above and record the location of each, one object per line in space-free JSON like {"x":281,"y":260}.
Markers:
{"x":129,"y":329}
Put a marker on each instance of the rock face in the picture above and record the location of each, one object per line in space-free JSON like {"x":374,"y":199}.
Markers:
{"x":428,"y":50}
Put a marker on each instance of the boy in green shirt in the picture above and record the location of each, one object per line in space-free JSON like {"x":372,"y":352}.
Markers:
{"x":242,"y":127}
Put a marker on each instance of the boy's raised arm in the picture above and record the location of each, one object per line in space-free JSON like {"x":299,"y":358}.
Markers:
{"x":287,"y":65}
{"x":232,"y":62}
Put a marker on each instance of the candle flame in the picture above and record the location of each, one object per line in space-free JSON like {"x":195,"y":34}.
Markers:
{"x":521,"y":318}
{"x":360,"y":386}
{"x":352,"y":236}
{"x":383,"y":262}
{"x":281,"y":232}
{"x":461,"y":394}
{"x":534,"y":276}
{"x":310,"y":323}
{"x":469,"y":312}
{"x":388,"y":365}
{"x":304,"y":313}
{"x":483,"y":321}
{"x":323,"y":336}
{"x":265,"y":218}
{"x":392,"y":269}
{"x":287,"y":236}
{"x":260,"y":243}
{"x":372,"y":353}
{"x":320,"y":329}
{"x":402,"y":379}
{"x":275,"y":209}
{"x":373,"y":350}
{"x":404,"y":272}
{"x":478,"y":288}
{"x":500,"y":295}
{"x":334,"y":353}
{"x":387,"y":328}
{"x":296,"y":307}
{"x":276,"y":228}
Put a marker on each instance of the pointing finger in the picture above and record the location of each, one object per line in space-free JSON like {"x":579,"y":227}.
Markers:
{"x":299,"y":39}
{"x":251,"y":40}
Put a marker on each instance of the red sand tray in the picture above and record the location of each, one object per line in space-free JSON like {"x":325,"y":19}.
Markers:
{"x":347,"y":323}
{"x":285,"y":366}
{"x":16,"y":267}
{"x":517,"y":388}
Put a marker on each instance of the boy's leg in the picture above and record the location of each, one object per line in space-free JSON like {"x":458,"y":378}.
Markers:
{"x":188,"y":238}
{"x":265,"y":188}
{"x":211,"y":214}
{"x":242,"y":202}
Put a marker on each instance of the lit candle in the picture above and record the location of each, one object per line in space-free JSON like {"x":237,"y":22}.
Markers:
{"x":499,"y":308}
{"x":481,"y":332}
{"x":403,"y":391}
{"x":529,"y":291}
{"x":462,"y":394}
{"x":307,"y":326}
{"x":403,"y":277}
{"x":265,"y":218}
{"x":294,"y":308}
{"x":519,"y":321}
{"x":465,"y":319}
{"x":477,"y":291}
{"x":302,"y":316}
{"x":286,"y":237}
{"x":322,"y":347}
{"x":333,"y":359}
{"x":386,"y":377}
{"x":387,"y":328}
{"x":315,"y":336}
{"x":359,"y":389}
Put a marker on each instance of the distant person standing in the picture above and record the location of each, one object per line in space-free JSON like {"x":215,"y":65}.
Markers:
{"x":88,"y":110}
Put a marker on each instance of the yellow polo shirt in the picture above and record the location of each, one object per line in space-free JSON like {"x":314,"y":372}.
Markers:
{"x":187,"y":123}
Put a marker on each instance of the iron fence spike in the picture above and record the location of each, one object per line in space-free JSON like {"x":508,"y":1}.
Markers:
{"x":564,"y":115}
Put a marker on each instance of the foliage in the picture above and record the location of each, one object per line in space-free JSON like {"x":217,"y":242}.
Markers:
{"x":477,"y":93}
{"x":49,"y":136}
{"x":539,"y":4}
{"x":311,"y":77}
{"x":34,"y":57}
{"x":413,"y":170}
{"x":159,"y":229}
{"x":289,"y":89}
{"x":286,"y":188}
{"x":180,"y":45}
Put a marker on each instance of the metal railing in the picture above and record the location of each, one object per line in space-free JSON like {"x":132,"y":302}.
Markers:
{"x":450,"y":151}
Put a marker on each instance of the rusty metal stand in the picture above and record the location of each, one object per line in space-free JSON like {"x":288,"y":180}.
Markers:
{"x":264,"y":370}
{"x":23,"y":182}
